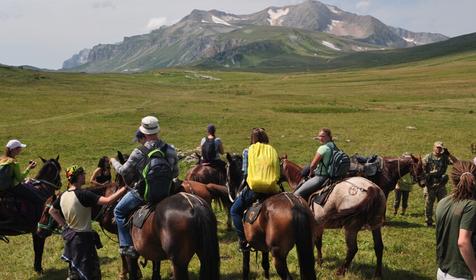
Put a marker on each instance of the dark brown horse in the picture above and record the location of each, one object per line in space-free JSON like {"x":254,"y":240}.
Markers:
{"x":284,"y":220}
{"x":20,"y":217}
{"x":354,"y":203}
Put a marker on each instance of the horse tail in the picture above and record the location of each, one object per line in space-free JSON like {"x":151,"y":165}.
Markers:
{"x":208,"y":251}
{"x":303,"y":232}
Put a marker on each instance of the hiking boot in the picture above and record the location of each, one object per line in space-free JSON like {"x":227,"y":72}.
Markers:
{"x":129,"y":251}
{"x":245,"y":246}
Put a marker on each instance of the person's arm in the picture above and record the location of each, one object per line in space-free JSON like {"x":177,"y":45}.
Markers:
{"x":56,"y":215}
{"x":315,"y":161}
{"x":452,"y":158}
{"x":93,"y":181}
{"x":129,"y":165}
{"x":466,"y":249}
{"x":104,"y":200}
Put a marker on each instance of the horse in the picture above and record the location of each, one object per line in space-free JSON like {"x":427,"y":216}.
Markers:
{"x":353,"y":203}
{"x":214,"y":183}
{"x":284,"y":220}
{"x":180,"y":226}
{"x":14,"y":221}
{"x":393,"y":169}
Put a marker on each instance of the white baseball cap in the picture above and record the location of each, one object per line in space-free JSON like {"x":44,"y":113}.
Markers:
{"x":14,"y":143}
{"x":149,"y":125}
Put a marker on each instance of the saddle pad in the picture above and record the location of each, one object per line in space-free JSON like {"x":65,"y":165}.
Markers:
{"x":320,"y":197}
{"x":252,"y":212}
{"x":139,"y":216}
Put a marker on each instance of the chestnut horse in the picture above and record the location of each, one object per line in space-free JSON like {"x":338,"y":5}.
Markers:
{"x":354,"y":203}
{"x":284,"y":220}
{"x":14,"y":221}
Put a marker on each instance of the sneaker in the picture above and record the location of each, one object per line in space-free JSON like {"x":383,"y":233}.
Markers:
{"x":128,"y":251}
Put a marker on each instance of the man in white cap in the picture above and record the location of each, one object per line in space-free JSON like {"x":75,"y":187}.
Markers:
{"x":11,"y":178}
{"x":145,"y":190}
{"x":434,"y":166}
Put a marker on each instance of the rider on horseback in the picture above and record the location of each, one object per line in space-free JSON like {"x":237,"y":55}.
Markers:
{"x":247,"y":195}
{"x":321,"y":161}
{"x":11,"y":178}
{"x":211,"y":148}
{"x":136,"y":163}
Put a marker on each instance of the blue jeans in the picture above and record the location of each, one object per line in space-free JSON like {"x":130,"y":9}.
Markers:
{"x":242,"y":202}
{"x":129,"y":202}
{"x":310,"y":186}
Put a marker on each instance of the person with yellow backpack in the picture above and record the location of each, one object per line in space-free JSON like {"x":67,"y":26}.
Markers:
{"x":261,"y":172}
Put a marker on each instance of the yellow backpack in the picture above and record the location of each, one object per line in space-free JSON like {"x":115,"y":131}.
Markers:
{"x":263,"y":168}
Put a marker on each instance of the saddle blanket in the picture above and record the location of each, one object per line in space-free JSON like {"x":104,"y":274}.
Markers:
{"x":140,"y":215}
{"x":252,"y":212}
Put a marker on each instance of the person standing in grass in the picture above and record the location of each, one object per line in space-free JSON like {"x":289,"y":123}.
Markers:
{"x":402,"y":192}
{"x":434,"y":167}
{"x":102,"y":174}
{"x":72,"y":212}
{"x":456,"y":226}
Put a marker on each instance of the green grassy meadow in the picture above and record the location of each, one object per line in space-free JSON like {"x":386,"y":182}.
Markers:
{"x":385,"y":111}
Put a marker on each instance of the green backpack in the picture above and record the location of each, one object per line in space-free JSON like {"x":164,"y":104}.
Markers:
{"x":6,"y":176}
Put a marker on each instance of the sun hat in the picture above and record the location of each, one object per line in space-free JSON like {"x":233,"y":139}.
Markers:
{"x":439,"y":144}
{"x":149,"y":125}
{"x":14,"y":143}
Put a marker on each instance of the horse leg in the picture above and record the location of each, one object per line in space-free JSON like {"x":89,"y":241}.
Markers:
{"x":180,"y":271}
{"x":246,"y":265}
{"x":351,"y":242}
{"x":38,"y":246}
{"x":319,"y":260}
{"x":279,"y":260}
{"x":378,"y":247}
{"x":125,"y":269}
{"x":133,"y":268}
{"x":156,"y":270}
{"x":265,"y":264}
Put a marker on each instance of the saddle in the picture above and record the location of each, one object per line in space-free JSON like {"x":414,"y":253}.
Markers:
{"x":365,"y":166}
{"x":320,"y":197}
{"x":141,"y":214}
{"x":252,"y":212}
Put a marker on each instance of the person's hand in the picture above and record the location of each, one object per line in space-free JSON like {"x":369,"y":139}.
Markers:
{"x":111,"y":159}
{"x":32,"y":164}
{"x":446,"y":152}
{"x":397,"y":187}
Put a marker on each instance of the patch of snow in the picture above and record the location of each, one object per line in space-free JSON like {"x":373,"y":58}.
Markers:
{"x":275,"y":17}
{"x":410,"y":40}
{"x":334,"y":23}
{"x":334,"y":9}
{"x":220,"y":21}
{"x":330,"y":45}
{"x":204,"y":21}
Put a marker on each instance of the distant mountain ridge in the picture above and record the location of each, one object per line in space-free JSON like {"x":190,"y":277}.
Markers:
{"x":322,"y":30}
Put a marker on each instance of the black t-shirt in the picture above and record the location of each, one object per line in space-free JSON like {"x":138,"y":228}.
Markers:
{"x":86,"y":198}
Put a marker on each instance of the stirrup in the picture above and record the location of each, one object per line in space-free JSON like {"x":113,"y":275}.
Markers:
{"x":4,"y":239}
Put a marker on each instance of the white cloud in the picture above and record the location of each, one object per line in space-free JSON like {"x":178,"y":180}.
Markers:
{"x":363,"y":5}
{"x":104,"y":5}
{"x":155,"y":23}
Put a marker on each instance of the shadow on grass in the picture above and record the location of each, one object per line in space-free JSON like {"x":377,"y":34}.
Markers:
{"x":61,"y":274}
{"x":366,"y":271}
{"x":402,"y":224}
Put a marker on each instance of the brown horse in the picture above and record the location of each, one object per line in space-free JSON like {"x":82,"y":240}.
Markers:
{"x":23,"y":216}
{"x":284,"y":220}
{"x":353,"y":204}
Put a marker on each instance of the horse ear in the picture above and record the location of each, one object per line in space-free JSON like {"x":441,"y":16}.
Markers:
{"x":285,"y":156}
{"x":43,"y":160}
{"x":57,"y":157}
{"x":228,"y":157}
{"x":120,"y":156}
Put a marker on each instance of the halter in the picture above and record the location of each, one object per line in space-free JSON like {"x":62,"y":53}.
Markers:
{"x":56,"y":178}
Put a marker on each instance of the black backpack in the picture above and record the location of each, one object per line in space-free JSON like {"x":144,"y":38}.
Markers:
{"x":209,"y":150}
{"x":6,"y":177}
{"x":339,"y":163}
{"x":157,"y":174}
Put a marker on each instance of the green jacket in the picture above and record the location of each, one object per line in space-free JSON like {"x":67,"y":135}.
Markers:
{"x":18,"y":176}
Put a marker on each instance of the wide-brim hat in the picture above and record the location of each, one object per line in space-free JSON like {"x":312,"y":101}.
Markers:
{"x":439,"y":144}
{"x":149,"y":125}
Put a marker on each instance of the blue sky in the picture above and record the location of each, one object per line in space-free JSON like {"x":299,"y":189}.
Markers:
{"x":44,"y":33}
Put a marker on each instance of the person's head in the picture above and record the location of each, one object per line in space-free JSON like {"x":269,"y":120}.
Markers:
{"x":150,"y":127}
{"x":324,"y":135}
{"x":13,"y":148}
{"x":464,"y":183}
{"x":76,"y":175}
{"x":139,"y":137}
{"x":211,"y":129}
{"x":438,"y":148}
{"x":259,"y":135}
{"x":103,"y":163}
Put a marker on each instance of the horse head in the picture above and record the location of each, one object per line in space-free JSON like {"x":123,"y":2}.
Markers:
{"x":50,"y":173}
{"x":127,"y":179}
{"x":417,"y":172}
{"x":234,"y":174}
{"x":290,"y":172}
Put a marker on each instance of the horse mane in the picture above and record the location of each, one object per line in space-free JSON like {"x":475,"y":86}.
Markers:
{"x":293,"y":171}
{"x":463,"y":177}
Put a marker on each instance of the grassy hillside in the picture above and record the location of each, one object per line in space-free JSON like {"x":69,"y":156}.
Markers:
{"x":387,"y":111}
{"x":306,"y":52}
